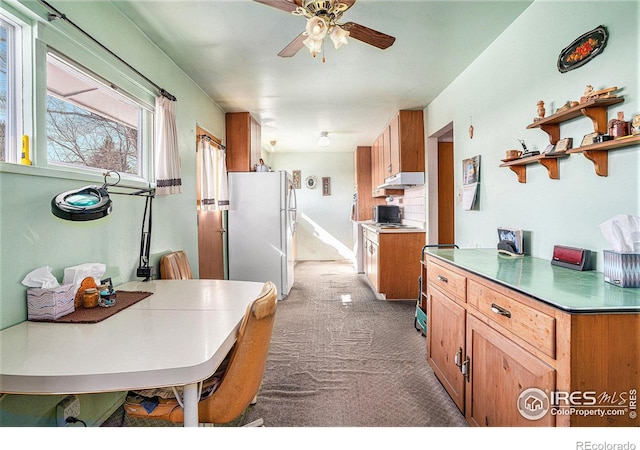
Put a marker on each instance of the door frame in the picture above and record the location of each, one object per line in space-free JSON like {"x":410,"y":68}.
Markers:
{"x":432,"y":181}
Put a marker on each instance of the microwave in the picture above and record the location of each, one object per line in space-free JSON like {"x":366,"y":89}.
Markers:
{"x":386,"y":214}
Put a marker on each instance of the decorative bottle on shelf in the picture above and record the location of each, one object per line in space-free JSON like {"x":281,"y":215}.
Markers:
{"x":618,"y":127}
{"x":541,"y":110}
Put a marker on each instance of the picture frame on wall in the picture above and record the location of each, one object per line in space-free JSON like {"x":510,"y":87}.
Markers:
{"x":326,"y":185}
{"x":297,"y":176}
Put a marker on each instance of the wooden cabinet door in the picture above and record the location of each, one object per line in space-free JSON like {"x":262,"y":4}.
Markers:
{"x":446,"y":342}
{"x":394,"y":146}
{"x":499,"y":372}
{"x":386,"y":153}
{"x":373,"y":264}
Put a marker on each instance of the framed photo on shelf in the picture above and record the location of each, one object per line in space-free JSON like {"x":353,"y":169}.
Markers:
{"x":548,"y":149}
{"x":588,"y":139}
{"x":565,"y":144}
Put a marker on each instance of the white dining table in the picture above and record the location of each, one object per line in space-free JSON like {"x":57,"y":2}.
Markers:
{"x":178,"y":336}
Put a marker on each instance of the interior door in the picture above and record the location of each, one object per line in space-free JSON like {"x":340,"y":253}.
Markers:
{"x":211,"y":232}
{"x":446,"y":194}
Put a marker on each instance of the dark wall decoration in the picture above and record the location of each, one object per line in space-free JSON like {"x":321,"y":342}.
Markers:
{"x":583,"y":49}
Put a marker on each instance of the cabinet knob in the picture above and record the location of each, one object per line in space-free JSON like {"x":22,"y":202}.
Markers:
{"x":443,"y":278}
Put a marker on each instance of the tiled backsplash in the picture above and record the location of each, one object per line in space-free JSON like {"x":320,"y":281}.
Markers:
{"x":412,"y":205}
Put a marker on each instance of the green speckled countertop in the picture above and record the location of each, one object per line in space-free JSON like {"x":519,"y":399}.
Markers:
{"x":570,"y":290}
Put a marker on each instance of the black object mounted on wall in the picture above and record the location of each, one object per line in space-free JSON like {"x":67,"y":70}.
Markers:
{"x":94,"y":202}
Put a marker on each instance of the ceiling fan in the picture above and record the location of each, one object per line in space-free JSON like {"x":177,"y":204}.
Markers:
{"x":322,"y":20}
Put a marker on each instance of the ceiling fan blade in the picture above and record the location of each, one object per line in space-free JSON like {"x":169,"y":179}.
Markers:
{"x":284,"y":5}
{"x":368,"y":35}
{"x":349,"y":3}
{"x":293,"y":47}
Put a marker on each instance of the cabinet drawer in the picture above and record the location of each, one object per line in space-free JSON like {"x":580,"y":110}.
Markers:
{"x":446,"y":280}
{"x":371,"y":235}
{"x":527,"y":323}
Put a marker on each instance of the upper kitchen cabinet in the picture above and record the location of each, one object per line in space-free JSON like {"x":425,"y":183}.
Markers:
{"x":401,"y":153}
{"x":406,"y":144}
{"x":364,"y":184}
{"x":243,"y":142}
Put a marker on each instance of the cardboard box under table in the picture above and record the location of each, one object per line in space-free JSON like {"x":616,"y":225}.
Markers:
{"x":622,"y":269}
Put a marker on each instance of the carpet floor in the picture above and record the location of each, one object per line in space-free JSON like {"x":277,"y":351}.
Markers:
{"x":340,"y":357}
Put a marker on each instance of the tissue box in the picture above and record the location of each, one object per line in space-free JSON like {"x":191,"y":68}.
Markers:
{"x":622,"y":269}
{"x":51,"y":303}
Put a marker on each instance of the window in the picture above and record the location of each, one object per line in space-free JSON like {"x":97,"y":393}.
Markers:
{"x":90,"y":123}
{"x":10,"y":91}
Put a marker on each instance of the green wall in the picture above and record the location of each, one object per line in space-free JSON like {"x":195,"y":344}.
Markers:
{"x":498,"y":93}
{"x":31,"y":237}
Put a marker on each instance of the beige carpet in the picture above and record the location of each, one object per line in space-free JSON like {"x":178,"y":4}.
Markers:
{"x":341,"y":358}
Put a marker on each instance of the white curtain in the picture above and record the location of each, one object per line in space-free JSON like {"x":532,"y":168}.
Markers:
{"x":167,"y":154}
{"x":213,"y":177}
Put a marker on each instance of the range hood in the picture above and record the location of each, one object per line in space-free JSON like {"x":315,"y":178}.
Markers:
{"x":403,"y":180}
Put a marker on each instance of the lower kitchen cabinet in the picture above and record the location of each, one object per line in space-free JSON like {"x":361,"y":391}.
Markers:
{"x":508,"y":359}
{"x":392,"y":262}
{"x":498,"y":371}
{"x":445,"y":343}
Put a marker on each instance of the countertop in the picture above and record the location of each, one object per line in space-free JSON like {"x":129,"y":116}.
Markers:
{"x":389,"y":228}
{"x":566,"y":289}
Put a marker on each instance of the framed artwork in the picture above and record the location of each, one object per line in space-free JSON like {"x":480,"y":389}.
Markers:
{"x":311,"y":182}
{"x":588,"y":139}
{"x":326,"y":185}
{"x":296,"y":179}
{"x":563,"y":145}
{"x":583,"y":49}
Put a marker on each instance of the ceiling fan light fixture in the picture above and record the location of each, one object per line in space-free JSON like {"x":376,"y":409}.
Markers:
{"x":316,"y":28}
{"x":323,"y":140}
{"x":338,"y":36}
{"x":313,"y":45}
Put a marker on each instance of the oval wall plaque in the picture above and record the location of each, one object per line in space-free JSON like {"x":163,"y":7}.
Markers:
{"x":583,"y":49}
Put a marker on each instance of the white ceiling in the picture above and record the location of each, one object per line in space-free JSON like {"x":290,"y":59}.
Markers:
{"x":230,"y":47}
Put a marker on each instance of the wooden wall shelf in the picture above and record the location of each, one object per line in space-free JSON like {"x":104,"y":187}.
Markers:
{"x":519,"y":166}
{"x":599,"y":153}
{"x":595,"y":109}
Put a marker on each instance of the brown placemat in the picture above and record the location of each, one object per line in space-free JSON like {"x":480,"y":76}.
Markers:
{"x":124,"y":299}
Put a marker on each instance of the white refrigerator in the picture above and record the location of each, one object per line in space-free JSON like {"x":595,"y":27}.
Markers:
{"x":261,"y":228}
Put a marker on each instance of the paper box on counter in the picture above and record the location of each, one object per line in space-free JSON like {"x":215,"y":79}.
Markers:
{"x":50,"y":303}
{"x":622,"y":269}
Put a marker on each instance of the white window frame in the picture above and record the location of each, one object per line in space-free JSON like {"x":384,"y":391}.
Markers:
{"x":15,"y":83}
{"x":144,"y":119}
{"x":38,"y":36}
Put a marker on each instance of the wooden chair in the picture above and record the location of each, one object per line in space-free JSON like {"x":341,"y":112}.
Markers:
{"x":175,"y":266}
{"x":241,"y":380}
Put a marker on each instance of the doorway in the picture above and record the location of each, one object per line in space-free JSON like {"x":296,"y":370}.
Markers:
{"x":211,"y":231}
{"x":441,"y":187}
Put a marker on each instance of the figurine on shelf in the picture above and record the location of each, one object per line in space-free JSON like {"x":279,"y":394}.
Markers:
{"x":541,"y":111}
{"x":590,"y":94}
{"x":635,"y":125}
{"x":618,"y":127}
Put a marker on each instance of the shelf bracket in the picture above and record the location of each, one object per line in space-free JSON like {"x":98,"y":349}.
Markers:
{"x":600,"y":160}
{"x":552,"y":167}
{"x":521,"y":171}
{"x":598,"y":116}
{"x":553,"y":130}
